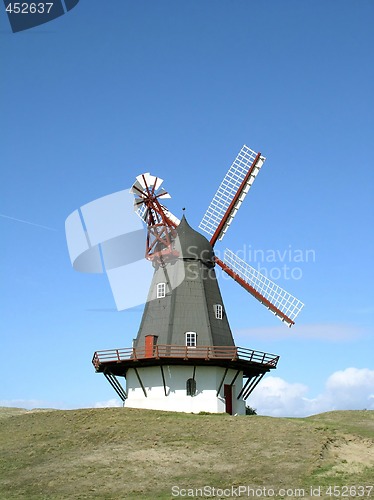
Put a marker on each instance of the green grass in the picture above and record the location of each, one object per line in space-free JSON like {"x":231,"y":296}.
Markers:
{"x":115,"y":453}
{"x":355,"y":422}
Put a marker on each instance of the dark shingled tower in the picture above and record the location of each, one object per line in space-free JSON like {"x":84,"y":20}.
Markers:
{"x":191,"y":296}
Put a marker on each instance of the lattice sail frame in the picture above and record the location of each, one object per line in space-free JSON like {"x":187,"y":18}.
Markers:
{"x":282,"y":301}
{"x":231,"y":193}
{"x":141,"y":212}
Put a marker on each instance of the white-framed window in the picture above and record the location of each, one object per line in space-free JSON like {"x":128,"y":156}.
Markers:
{"x":191,"y":339}
{"x":160,"y":290}
{"x":218,"y":311}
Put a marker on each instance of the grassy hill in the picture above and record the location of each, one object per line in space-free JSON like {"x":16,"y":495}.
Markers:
{"x":115,"y":453}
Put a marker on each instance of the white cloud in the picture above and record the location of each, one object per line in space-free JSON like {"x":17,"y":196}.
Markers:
{"x":276,"y":397}
{"x":108,"y":404}
{"x":326,"y":331}
{"x":349,"y":389}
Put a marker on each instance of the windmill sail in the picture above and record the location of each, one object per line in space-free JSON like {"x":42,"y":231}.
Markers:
{"x":284,"y":305}
{"x":170,"y":216}
{"x":147,"y":189}
{"x":231,"y":193}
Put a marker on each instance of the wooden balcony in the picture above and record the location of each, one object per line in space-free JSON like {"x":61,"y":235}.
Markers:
{"x":118,"y":361}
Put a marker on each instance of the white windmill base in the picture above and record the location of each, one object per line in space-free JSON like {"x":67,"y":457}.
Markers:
{"x":208,"y":380}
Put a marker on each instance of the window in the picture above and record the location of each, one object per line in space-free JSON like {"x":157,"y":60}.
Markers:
{"x":191,"y":387}
{"x":161,"y":290}
{"x":218,"y":311}
{"x":191,"y":339}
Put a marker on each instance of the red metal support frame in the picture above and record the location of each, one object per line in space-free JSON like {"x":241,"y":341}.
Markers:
{"x":160,"y":229}
{"x":233,"y":202}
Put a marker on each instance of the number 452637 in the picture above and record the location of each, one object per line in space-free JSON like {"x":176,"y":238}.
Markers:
{"x":29,"y":8}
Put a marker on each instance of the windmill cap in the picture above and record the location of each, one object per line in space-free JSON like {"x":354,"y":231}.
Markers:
{"x":193,"y":245}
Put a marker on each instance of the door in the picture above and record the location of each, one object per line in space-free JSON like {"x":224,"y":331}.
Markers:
{"x":150,"y":344}
{"x":228,"y":398}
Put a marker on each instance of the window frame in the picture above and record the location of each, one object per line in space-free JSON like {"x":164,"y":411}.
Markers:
{"x":191,"y":339}
{"x":218,"y":311}
{"x":160,"y":290}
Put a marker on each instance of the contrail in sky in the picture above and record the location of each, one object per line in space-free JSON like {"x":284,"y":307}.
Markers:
{"x":27,"y":222}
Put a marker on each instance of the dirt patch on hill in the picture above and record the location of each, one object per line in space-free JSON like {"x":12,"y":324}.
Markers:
{"x":349,"y":454}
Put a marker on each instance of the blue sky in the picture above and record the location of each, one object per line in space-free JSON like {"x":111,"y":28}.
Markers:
{"x":111,"y":90}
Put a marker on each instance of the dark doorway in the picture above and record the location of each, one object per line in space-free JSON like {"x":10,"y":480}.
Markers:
{"x":228,"y":398}
{"x":191,"y":387}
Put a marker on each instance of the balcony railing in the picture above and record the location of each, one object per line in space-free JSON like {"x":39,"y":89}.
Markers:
{"x":232,"y":353}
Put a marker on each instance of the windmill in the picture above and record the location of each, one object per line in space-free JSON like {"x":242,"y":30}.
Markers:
{"x":184,"y":357}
